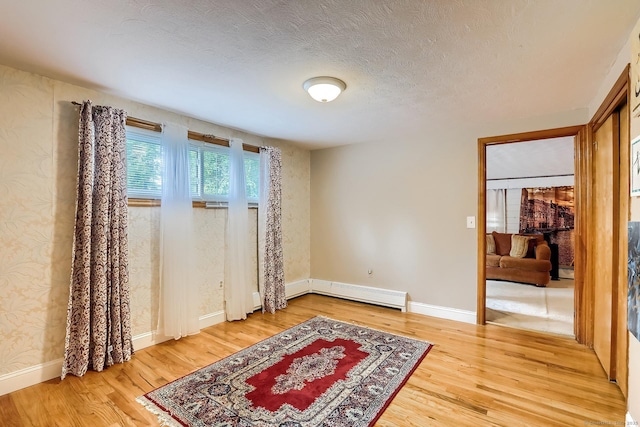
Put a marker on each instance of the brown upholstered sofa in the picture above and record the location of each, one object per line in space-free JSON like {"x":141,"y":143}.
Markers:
{"x":534,"y":267}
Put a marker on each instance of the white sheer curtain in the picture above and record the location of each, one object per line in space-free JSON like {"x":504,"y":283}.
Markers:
{"x":270,"y":257}
{"x":496,"y":211}
{"x":238,"y":290}
{"x":178,"y":315}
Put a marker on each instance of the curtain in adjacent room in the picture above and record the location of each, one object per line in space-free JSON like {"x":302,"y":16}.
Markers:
{"x":238,"y":289}
{"x":270,"y":259}
{"x":496,"y":210}
{"x":179,"y":303}
{"x":98,"y":332}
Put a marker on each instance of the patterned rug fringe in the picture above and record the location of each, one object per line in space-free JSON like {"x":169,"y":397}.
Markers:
{"x":372,"y":329}
{"x":163,"y":419}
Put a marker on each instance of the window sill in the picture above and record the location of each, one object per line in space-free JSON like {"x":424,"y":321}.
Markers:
{"x":143,"y":203}
{"x":148,"y":203}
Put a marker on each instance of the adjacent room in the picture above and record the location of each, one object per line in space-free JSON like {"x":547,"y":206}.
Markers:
{"x":530,"y":188}
{"x":277,"y":213}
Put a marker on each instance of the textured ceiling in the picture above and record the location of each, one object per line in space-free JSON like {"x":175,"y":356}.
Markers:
{"x":411,"y":67}
{"x":542,"y":158}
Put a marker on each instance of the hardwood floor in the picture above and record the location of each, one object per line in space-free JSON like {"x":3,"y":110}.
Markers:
{"x":474,"y":375}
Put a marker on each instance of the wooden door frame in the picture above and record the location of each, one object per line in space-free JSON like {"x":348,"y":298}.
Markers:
{"x":584,"y":301}
{"x":618,"y":96}
{"x":583,"y":162}
{"x":579,"y":132}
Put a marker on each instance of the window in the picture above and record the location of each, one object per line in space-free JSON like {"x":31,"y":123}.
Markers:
{"x":144,"y":164}
{"x":252,"y":175}
{"x":208,"y":164}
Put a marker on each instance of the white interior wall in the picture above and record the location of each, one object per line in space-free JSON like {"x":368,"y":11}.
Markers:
{"x":385,"y":207}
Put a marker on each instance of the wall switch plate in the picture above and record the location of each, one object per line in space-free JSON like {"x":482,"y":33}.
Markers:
{"x":471,"y":222}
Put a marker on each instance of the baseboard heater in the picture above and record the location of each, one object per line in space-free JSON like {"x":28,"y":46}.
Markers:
{"x":367,"y":294}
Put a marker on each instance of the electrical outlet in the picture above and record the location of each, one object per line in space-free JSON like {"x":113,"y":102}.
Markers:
{"x":221,"y":284}
{"x":471,"y":222}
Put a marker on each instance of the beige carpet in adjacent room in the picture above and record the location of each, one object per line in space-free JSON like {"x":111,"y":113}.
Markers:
{"x":525,"y":306}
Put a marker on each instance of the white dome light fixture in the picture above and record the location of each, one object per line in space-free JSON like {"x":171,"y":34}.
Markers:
{"x":324,"y":89}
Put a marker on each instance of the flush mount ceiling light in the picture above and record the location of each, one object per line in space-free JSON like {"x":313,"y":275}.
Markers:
{"x":324,"y":89}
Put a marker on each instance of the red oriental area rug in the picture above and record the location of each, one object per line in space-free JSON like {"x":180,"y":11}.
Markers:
{"x":319,"y":373}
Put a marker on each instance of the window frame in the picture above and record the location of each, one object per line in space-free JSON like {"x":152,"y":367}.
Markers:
{"x":202,"y":144}
{"x":203,"y":147}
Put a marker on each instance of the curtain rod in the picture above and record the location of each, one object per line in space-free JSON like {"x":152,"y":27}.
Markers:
{"x":196,"y":136}
{"x":212,"y":139}
{"x":138,"y":123}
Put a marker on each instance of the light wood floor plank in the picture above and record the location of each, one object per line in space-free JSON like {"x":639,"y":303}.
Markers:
{"x":474,"y":375}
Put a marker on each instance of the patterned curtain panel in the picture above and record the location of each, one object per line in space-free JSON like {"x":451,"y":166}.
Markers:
{"x":98,"y":316}
{"x":271,"y":263}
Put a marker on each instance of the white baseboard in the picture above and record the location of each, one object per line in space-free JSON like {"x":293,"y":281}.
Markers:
{"x":298,"y":288}
{"x":442,"y":312}
{"x":45,"y":371}
{"x":257,"y":301}
{"x":388,"y":298}
{"x":630,"y":421}
{"x":147,"y":339}
{"x":150,"y":338}
{"x":29,"y":376}
{"x":212,"y":319}
{"x":292,"y":290}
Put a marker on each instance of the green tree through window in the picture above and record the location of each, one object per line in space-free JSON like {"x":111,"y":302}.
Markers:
{"x":144,"y":167}
{"x":252,"y":174}
{"x":208,"y":169}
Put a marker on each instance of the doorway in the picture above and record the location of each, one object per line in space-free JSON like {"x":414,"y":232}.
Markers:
{"x":530,"y":191}
{"x":578,"y":134}
{"x":598,"y":300}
